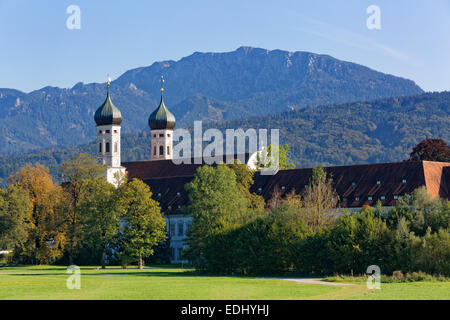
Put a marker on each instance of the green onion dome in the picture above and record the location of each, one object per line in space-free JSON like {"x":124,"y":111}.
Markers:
{"x":161,"y":118}
{"x":108,"y":113}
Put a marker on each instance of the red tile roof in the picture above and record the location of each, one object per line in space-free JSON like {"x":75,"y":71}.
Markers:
{"x":354,"y":183}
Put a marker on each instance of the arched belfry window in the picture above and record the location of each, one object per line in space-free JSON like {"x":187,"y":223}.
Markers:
{"x":115,"y":147}
{"x":107,"y":147}
{"x":100,"y":147}
{"x":161,"y":150}
{"x":168,"y":150}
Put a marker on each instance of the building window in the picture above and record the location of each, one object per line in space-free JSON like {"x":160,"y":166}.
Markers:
{"x":383,"y":198}
{"x":161,"y":150}
{"x":100,"y":147}
{"x":180,"y":229}
{"x":283,"y":188}
{"x":356,"y":198}
{"x":168,"y":135}
{"x":378,"y":182}
{"x":395,"y":197}
{"x":154,"y":151}
{"x":369,"y":198}
{"x":107,"y":147}
{"x":107,"y":131}
{"x":168,"y":149}
{"x":115,"y":147}
{"x":154,"y":136}
{"x":100,"y":131}
{"x":172,"y":229}
{"x":404,"y":181}
{"x":161,"y":135}
{"x":115,"y":131}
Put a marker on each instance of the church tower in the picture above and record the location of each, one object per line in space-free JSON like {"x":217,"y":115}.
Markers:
{"x":109,"y":119}
{"x":161,"y":123}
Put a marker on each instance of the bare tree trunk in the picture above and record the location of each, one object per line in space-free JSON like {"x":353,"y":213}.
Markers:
{"x":103,"y":258}
{"x":141,"y":262}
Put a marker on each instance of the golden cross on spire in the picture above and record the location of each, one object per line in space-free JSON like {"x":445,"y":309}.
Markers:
{"x":109,"y":80}
{"x":162,"y":83}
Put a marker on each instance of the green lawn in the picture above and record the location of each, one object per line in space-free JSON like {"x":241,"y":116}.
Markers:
{"x":49,"y":282}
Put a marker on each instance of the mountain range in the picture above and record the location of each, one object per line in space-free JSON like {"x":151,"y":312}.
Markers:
{"x":203,"y":86}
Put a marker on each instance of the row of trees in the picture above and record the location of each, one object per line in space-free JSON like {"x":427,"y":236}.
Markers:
{"x":82,"y":220}
{"x":235,"y":232}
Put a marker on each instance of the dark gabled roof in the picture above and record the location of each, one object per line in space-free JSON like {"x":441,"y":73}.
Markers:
{"x":108,"y":113}
{"x":167,"y":168}
{"x":354,"y":184}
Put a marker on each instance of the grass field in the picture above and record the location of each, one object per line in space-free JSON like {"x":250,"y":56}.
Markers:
{"x":49,"y":282}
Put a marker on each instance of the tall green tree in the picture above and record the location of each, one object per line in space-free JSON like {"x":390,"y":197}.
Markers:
{"x":244,"y":180}
{"x":101,"y":212}
{"x":217,"y":205}
{"x":143,"y":225}
{"x":15,"y":215}
{"x":77,"y":174}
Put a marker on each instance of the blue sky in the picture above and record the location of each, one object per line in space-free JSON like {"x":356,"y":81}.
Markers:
{"x":37,"y":49}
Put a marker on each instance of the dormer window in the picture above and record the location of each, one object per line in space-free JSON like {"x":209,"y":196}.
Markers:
{"x":383,"y":198}
{"x":378,"y":182}
{"x":356,"y":198}
{"x":159,"y":195}
{"x":306,"y":186}
{"x":370,"y":198}
{"x":259,"y":189}
{"x":283,"y":187}
{"x":178,"y":194}
{"x":395,"y":197}
{"x":353,"y":184}
{"x":404,"y":181}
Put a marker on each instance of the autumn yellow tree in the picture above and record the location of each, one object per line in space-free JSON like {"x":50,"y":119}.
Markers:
{"x":46,"y":227}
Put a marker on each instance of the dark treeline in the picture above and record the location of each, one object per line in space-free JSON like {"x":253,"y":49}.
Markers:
{"x":234,"y":232}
